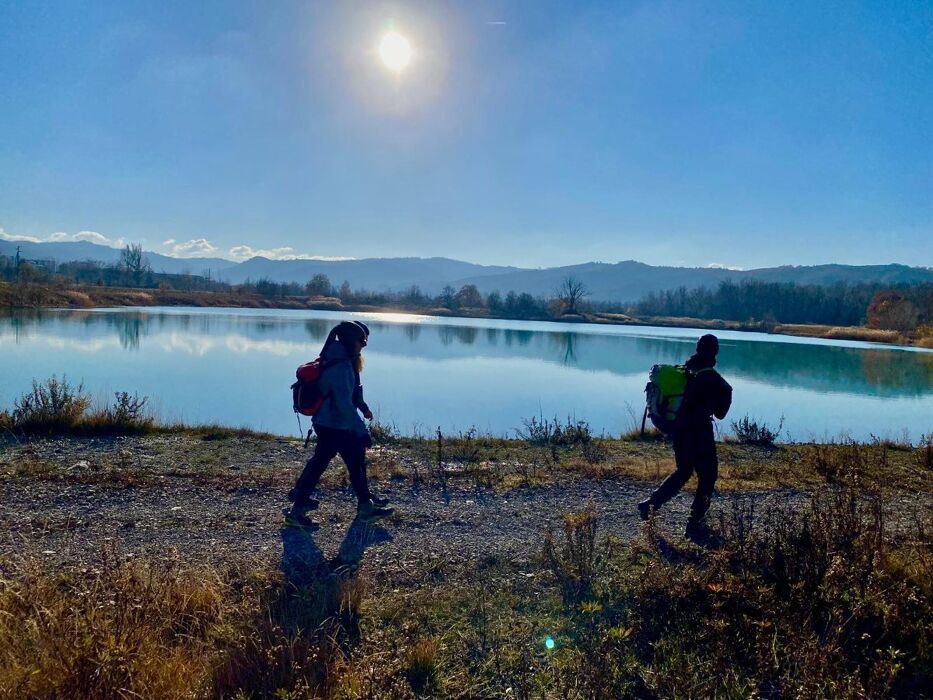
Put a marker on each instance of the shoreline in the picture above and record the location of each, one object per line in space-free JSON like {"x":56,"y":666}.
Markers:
{"x":90,"y":297}
{"x":499,"y":463}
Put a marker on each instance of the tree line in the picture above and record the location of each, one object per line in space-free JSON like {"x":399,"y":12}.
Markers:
{"x":134,"y":270}
{"x":900,"y":307}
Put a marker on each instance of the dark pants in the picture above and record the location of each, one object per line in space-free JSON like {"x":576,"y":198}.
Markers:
{"x":330,"y":443}
{"x":694,"y":450}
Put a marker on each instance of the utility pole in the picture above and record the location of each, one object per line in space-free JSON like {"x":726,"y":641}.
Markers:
{"x":18,"y":248}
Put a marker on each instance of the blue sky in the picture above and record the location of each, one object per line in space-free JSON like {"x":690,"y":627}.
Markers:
{"x":531,"y":133}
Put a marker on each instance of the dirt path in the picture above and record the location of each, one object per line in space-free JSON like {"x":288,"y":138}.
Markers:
{"x":64,"y":501}
{"x":72,"y":522}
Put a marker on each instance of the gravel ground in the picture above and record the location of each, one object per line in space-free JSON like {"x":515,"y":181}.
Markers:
{"x":232,"y":513}
{"x":72,"y":522}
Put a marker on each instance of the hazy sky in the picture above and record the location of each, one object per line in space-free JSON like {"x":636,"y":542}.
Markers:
{"x":529,"y":133}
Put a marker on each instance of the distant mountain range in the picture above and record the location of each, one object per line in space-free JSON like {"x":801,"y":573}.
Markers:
{"x":623,"y":281}
{"x":70,"y":251}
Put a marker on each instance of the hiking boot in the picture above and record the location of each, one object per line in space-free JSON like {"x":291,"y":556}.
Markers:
{"x":296,"y":518}
{"x":369,"y":510}
{"x":309,"y":504}
{"x":379,"y":501}
{"x":646,"y":509}
{"x":697,"y":531}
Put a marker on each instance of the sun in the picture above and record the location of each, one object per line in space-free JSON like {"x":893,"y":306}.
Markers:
{"x":395,"y":51}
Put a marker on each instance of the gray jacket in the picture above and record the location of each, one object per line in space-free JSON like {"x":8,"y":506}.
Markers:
{"x":337,"y":384}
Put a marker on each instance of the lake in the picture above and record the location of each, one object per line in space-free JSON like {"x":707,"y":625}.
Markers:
{"x":234,"y":366}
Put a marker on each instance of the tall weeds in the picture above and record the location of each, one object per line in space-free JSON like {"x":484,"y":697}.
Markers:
{"x":117,"y":630}
{"x":578,"y":557}
{"x":748,"y":431}
{"x":56,"y":407}
{"x":163,"y":630}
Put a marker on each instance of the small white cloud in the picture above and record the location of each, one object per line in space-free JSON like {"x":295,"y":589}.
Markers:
{"x":721,"y":266}
{"x":15,"y":237}
{"x":195,"y":248}
{"x":245,"y":252}
{"x":91,"y":236}
{"x":61,"y":237}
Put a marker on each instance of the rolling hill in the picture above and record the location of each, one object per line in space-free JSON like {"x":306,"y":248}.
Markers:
{"x":623,"y":281}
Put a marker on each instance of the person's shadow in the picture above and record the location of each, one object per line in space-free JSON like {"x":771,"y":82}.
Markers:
{"x":304,"y":563}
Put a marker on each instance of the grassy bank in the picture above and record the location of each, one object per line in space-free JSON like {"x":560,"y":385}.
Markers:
{"x":825,"y":602}
{"x":88,"y":296}
{"x":543,"y":451}
{"x":829,"y":597}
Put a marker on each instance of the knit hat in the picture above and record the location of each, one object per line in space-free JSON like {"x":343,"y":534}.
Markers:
{"x":708,"y":345}
{"x":350,"y":331}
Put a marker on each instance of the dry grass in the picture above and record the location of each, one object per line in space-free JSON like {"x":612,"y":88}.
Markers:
{"x":870,"y":335}
{"x":243,"y":458}
{"x":156,"y":629}
{"x":828,"y":600}
{"x":117,"y":629}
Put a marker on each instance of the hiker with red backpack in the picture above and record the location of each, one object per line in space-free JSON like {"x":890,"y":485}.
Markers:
{"x":329,"y":390}
{"x":687,"y":418}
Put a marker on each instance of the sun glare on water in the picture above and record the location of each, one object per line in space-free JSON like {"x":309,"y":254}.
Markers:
{"x":395,"y":51}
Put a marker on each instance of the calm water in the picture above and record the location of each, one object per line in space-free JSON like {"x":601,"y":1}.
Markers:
{"x":234,"y":366}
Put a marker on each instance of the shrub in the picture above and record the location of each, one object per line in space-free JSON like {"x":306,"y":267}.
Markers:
{"x":577,"y":561}
{"x":126,"y":414}
{"x":839,"y":461}
{"x":544,"y":432}
{"x":748,"y":431}
{"x":53,"y":407}
{"x":595,"y":451}
{"x":383,"y":433}
{"x":652,"y":434}
{"x":57,"y":407}
{"x":421,"y":665}
{"x":925,"y":452}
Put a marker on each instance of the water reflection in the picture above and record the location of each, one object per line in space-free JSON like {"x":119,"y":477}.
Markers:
{"x":823,"y":367}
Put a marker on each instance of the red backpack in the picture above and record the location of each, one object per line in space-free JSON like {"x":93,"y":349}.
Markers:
{"x":306,"y":392}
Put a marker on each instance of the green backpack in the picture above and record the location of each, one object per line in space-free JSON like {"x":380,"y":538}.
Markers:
{"x":664,"y":396}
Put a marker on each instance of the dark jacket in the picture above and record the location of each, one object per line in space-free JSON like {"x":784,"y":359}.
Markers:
{"x":707,"y":394}
{"x":358,"y":394}
{"x":339,"y":383}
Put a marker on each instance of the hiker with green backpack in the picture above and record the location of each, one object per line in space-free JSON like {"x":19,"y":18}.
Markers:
{"x":681,"y":403}
{"x":329,"y":390}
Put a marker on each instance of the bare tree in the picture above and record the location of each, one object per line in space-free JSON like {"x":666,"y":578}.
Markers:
{"x":572,"y":291}
{"x":134,"y":261}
